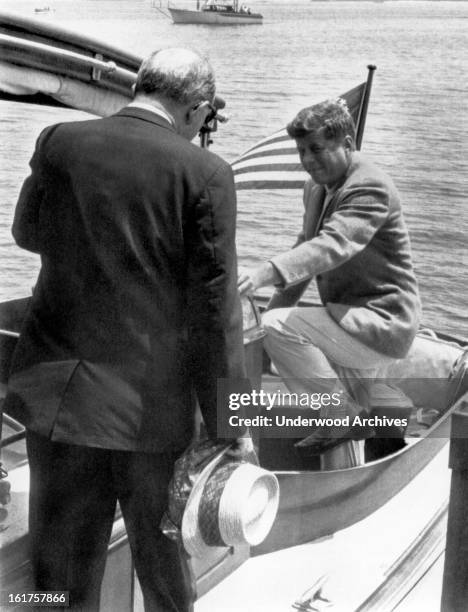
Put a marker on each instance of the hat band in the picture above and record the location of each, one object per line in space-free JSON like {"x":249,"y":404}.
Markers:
{"x":208,"y":516}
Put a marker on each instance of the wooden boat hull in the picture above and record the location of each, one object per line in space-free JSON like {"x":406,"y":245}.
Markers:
{"x":317,"y":504}
{"x":367,"y":567}
{"x":214,"y":17}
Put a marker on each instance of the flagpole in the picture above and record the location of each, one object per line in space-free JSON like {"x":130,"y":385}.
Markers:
{"x":365,"y":103}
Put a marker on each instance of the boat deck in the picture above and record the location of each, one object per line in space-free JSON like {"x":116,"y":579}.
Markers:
{"x":354,"y":563}
{"x":427,"y":593}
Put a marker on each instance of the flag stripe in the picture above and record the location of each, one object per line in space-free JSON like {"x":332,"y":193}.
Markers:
{"x":270,"y":180}
{"x":273,"y":163}
{"x":291,"y":169}
{"x":272,"y":150}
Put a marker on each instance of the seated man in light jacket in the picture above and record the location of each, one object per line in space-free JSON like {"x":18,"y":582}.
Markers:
{"x":355,"y":243}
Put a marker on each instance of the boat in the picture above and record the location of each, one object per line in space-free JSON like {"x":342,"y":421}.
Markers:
{"x":318,"y":503}
{"x":320,"y":511}
{"x":315,"y":506}
{"x":216,"y":13}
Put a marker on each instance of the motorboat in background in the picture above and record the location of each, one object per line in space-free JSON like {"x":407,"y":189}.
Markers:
{"x":216,"y":13}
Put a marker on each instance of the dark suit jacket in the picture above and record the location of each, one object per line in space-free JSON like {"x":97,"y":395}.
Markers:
{"x":136,"y":309}
{"x":358,"y":250}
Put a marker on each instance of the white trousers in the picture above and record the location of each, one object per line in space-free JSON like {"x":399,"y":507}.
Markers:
{"x":306,"y":345}
{"x":312,"y":353}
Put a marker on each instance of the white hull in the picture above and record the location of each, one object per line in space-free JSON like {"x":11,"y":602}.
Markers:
{"x":214,"y":17}
{"x":368,"y":567}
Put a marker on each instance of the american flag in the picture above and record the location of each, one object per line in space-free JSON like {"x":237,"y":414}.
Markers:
{"x":273,"y":163}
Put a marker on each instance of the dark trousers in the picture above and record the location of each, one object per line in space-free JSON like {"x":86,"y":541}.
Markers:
{"x":73,"y":496}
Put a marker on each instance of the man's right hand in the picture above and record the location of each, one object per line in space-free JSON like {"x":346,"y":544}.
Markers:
{"x":241,"y":448}
{"x":249,"y":280}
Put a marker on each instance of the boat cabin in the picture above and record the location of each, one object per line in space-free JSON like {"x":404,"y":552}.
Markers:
{"x":233,"y":7}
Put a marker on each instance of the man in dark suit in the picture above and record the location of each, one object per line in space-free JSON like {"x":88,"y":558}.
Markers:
{"x":134,"y":316}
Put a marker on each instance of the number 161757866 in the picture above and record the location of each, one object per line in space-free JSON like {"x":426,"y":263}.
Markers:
{"x":34,"y":598}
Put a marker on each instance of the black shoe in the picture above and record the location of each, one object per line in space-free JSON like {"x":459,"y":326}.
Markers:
{"x":325,"y":438}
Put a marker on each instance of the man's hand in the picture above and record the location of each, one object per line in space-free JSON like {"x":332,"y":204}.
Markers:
{"x":246,"y":281}
{"x":241,"y":448}
{"x":251,"y":279}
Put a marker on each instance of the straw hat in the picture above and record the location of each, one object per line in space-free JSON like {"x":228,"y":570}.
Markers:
{"x":230,"y":503}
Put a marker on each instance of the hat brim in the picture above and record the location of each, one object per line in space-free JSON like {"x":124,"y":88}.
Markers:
{"x":247,"y":481}
{"x":260,"y":490}
{"x":191,"y":538}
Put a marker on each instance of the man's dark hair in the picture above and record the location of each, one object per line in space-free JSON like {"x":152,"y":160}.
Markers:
{"x":331,"y":116}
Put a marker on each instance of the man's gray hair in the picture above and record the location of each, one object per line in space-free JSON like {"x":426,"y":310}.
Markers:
{"x":331,"y":116}
{"x":178,"y":74}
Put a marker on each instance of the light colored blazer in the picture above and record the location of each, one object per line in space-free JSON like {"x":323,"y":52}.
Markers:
{"x":358,"y":250}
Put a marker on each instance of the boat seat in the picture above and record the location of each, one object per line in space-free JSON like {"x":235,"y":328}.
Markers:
{"x":427,"y":374}
{"x":431,"y":378}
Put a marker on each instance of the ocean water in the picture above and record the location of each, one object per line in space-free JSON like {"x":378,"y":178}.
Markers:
{"x":417,"y":125}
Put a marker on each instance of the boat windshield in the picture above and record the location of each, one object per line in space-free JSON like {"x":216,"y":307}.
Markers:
{"x":210,"y":5}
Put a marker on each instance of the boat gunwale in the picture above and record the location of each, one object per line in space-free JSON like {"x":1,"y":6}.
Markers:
{"x":223,"y":13}
{"x":219,"y":17}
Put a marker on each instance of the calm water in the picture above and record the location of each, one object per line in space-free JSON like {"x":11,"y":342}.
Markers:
{"x":305,"y":51}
